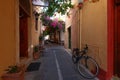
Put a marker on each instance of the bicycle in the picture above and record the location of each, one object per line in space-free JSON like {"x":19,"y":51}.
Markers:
{"x":86,"y":65}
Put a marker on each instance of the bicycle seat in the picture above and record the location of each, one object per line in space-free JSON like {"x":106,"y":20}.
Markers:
{"x":76,"y":51}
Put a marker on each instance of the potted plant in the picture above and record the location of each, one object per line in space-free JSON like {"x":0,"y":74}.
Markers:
{"x":40,"y":39}
{"x":36,"y":54}
{"x":14,"y":73}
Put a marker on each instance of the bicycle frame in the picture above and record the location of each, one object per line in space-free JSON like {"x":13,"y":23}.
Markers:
{"x":83,"y":52}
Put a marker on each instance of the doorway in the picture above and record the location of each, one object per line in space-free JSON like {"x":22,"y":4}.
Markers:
{"x":23,"y":34}
{"x":69,"y":37}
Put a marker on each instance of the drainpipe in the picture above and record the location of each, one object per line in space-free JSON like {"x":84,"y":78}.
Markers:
{"x":80,"y":27}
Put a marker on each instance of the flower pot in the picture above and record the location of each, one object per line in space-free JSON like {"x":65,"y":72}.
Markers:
{"x":36,"y":55}
{"x":40,"y":41}
{"x":13,"y":76}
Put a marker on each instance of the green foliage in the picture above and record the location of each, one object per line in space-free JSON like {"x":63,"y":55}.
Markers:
{"x":45,"y":19}
{"x":13,"y":69}
{"x":36,"y":49}
{"x":59,"y":6}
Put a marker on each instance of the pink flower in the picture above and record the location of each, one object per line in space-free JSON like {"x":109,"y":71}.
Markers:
{"x":54,"y":24}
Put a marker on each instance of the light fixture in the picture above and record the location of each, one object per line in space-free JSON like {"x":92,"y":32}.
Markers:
{"x":80,"y":1}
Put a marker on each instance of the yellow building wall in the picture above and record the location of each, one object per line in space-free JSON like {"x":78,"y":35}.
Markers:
{"x":35,"y":33}
{"x":7,"y":34}
{"x":94,"y":30}
{"x":73,"y":21}
{"x":75,"y":28}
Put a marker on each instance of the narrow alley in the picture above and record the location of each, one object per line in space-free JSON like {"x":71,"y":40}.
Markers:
{"x":56,"y":64}
{"x":26,"y":24}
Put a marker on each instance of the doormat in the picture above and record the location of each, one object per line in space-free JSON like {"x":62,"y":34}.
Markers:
{"x":33,"y":66}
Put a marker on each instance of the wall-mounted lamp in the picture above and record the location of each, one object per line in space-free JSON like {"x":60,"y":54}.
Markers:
{"x":80,"y":1}
{"x":93,"y":1}
{"x":80,"y":4}
{"x":36,"y":20}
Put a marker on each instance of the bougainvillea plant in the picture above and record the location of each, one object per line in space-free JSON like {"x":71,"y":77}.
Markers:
{"x":52,"y":25}
{"x":59,"y":6}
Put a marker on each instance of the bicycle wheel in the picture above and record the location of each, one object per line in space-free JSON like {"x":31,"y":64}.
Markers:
{"x":74,"y":59}
{"x":88,"y":67}
{"x":75,"y":54}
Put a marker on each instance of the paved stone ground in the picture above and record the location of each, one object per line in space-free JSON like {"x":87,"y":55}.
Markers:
{"x":56,"y":64}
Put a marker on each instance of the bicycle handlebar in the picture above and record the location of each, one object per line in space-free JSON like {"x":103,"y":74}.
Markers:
{"x":85,"y":49}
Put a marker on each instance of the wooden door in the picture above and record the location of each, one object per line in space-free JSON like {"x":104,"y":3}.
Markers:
{"x":23,"y":37}
{"x":117,"y":39}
